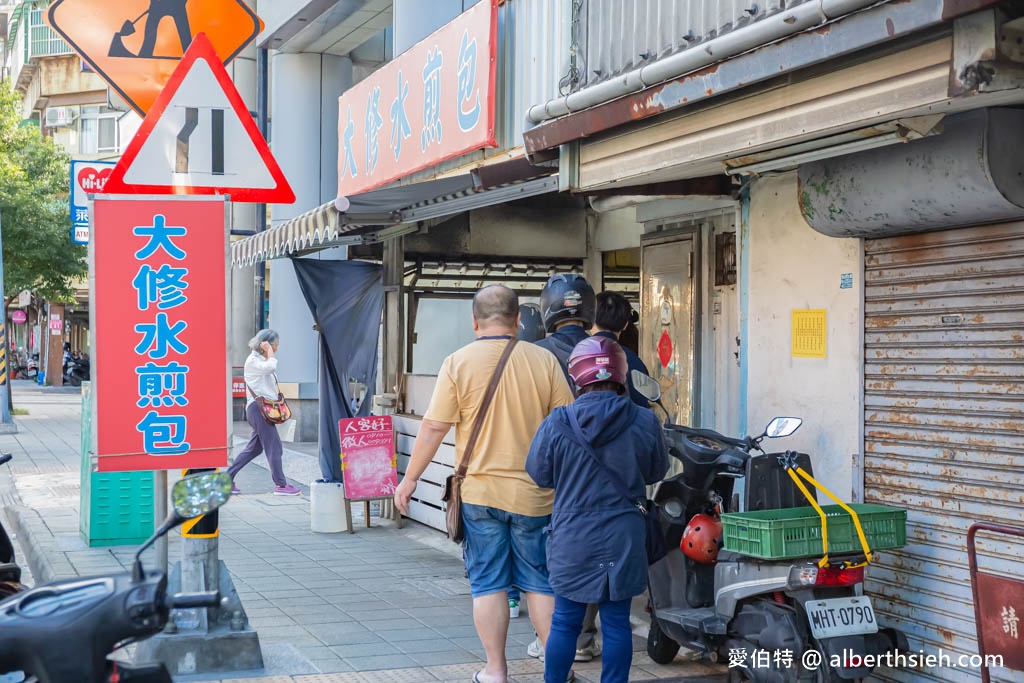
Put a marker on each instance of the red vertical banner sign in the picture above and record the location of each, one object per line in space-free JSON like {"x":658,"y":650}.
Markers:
{"x":160,"y":333}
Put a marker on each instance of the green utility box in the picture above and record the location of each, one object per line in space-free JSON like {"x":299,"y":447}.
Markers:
{"x":116,"y":508}
{"x":796,"y":532}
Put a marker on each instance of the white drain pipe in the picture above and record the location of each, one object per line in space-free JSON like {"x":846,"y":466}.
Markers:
{"x":784,"y":24}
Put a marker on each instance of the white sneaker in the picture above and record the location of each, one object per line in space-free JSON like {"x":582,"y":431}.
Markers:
{"x":535,"y":650}
{"x":588,"y":651}
{"x":513,"y":609}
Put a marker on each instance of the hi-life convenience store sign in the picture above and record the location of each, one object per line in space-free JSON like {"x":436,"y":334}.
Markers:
{"x":434,"y":102}
{"x":87,"y":177}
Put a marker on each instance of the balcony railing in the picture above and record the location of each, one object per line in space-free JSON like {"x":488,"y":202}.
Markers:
{"x":42,"y":40}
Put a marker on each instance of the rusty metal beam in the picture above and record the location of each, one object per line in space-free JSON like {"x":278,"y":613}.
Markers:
{"x":856,"y":32}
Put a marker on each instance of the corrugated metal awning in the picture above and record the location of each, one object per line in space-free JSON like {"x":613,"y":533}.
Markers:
{"x":372,"y":213}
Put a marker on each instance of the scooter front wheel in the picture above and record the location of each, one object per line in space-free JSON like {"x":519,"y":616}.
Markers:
{"x":660,"y":647}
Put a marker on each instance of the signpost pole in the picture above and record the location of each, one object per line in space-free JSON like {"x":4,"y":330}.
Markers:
{"x":159,"y":514}
{"x":6,"y":422}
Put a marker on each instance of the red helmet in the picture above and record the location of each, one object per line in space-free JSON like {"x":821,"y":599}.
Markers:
{"x":702,"y":539}
{"x":598,"y":359}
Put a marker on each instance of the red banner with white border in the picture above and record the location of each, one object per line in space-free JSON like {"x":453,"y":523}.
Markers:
{"x":160,"y":333}
{"x":433,"y":102}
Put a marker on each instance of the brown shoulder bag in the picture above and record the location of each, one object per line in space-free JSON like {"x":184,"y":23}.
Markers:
{"x":453,"y":485}
{"x":274,"y":411}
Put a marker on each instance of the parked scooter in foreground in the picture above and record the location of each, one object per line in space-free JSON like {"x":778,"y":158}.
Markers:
{"x":761,"y":616}
{"x":10,"y":572}
{"x":62,"y":632}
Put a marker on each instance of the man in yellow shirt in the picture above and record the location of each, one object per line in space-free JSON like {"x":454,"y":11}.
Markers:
{"x":504,"y":513}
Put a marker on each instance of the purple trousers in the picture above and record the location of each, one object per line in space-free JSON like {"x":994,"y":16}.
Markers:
{"x":264,"y":439}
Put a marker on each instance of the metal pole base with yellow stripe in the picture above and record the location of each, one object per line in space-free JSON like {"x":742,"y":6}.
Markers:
{"x":204,"y":640}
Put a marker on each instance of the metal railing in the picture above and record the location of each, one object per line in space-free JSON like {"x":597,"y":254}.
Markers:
{"x":42,"y":40}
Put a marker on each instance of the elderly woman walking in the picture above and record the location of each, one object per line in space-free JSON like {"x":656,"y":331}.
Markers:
{"x":261,"y":380}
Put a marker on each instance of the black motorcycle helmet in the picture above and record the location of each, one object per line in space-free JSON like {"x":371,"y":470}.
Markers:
{"x":567,"y":297}
{"x":531,"y":323}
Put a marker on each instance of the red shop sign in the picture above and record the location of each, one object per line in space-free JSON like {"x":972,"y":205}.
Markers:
{"x":159,"y":324}
{"x":433,"y":102}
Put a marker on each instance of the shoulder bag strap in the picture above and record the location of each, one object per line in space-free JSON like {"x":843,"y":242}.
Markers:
{"x":255,"y":395}
{"x":492,"y":388}
{"x":616,"y":481}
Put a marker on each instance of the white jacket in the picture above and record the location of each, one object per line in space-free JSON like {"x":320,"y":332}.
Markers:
{"x":259,"y":376}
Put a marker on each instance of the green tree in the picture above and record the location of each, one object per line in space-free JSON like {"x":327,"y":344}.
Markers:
{"x":36,"y":224}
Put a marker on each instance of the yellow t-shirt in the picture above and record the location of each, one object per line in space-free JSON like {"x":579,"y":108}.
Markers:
{"x":531,"y":386}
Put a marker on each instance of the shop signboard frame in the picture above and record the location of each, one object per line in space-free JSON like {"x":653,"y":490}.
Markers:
{"x":142,"y":316}
{"x":434,"y":102}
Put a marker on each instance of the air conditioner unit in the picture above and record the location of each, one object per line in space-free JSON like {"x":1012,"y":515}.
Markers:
{"x":60,"y":116}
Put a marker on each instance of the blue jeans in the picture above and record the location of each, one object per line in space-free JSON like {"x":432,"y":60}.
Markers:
{"x":505,"y":550}
{"x":617,"y":654}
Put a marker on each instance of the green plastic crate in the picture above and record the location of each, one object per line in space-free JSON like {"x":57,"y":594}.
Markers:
{"x":796,"y":532}
{"x":116,"y":507}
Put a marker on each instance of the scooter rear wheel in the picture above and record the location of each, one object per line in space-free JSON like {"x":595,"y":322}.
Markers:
{"x":660,"y":647}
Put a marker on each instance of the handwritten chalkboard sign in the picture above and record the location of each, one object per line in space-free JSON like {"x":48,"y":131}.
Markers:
{"x":368,"y":460}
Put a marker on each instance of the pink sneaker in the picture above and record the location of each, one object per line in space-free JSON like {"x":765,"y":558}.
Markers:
{"x":235,"y":490}
{"x":287,"y":490}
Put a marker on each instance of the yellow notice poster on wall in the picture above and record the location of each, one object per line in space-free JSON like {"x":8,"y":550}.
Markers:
{"x":810,"y":332}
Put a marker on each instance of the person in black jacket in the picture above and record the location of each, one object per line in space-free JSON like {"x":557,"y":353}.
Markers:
{"x":612,"y":316}
{"x":596,"y":549}
{"x":567,"y":305}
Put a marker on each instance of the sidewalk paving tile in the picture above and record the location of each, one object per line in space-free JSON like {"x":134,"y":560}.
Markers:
{"x":383,"y":605}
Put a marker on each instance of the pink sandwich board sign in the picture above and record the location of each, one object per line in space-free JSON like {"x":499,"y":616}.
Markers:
{"x":368,"y":460}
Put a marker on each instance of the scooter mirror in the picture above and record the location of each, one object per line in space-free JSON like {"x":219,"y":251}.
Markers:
{"x":646,"y":385}
{"x":782,"y":426}
{"x":200,"y":494}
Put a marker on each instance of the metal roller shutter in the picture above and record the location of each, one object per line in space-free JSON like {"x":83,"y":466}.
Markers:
{"x":944,"y":424}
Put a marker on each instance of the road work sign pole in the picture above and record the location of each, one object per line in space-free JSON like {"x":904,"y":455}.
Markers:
{"x":7,"y":425}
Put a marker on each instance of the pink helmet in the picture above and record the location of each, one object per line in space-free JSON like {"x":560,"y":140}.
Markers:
{"x":598,"y":359}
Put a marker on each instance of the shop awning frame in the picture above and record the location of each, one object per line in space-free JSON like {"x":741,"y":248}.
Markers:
{"x":393,"y":211}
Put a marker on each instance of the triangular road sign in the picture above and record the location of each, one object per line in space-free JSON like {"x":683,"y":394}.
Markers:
{"x":200,"y":138}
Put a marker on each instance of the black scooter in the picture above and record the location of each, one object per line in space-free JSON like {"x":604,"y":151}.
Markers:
{"x":770,"y":619}
{"x":63,"y":632}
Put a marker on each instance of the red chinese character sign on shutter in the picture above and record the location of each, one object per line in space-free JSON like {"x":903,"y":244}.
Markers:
{"x":159,"y":331}
{"x":432,"y":103}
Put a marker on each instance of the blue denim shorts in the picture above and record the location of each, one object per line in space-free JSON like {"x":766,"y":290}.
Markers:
{"x":505,"y":550}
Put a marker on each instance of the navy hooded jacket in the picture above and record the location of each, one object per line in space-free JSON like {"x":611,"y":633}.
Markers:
{"x":633,"y":362}
{"x":561,"y":342}
{"x":596,"y":547}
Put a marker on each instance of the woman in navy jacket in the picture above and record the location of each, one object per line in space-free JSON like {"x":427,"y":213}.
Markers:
{"x":596,"y":548}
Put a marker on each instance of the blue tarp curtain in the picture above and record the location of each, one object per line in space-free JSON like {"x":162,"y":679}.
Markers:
{"x":346,"y":299}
